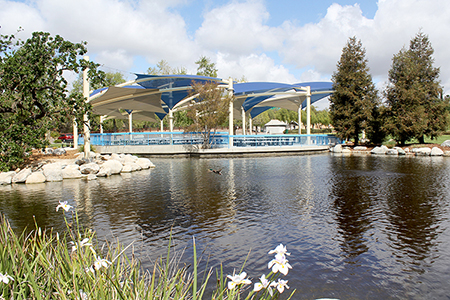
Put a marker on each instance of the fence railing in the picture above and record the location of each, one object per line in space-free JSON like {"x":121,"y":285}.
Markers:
{"x":217,"y":140}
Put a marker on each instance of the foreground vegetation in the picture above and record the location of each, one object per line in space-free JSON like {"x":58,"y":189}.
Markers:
{"x":49,"y":265}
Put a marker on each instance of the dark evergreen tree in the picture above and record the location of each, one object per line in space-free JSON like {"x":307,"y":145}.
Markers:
{"x":415,"y":105}
{"x":355,"y":98}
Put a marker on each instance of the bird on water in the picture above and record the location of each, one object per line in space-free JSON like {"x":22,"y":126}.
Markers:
{"x":216,"y":171}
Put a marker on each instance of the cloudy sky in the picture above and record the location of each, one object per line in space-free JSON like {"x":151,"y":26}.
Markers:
{"x":264,"y":40}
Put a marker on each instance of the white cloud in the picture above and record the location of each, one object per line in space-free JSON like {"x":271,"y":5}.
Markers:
{"x":238,"y":28}
{"x":320,"y":44}
{"x":235,"y":35}
{"x":149,"y":29}
{"x":253,"y":67}
{"x":120,"y":59}
{"x":16,"y":14}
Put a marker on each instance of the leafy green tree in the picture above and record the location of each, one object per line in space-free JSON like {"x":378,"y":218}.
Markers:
{"x":208,"y":111}
{"x":206,"y":67}
{"x":355,"y":98}
{"x":33,"y":91}
{"x":323,"y":117}
{"x":163,"y":68}
{"x":415,"y":105}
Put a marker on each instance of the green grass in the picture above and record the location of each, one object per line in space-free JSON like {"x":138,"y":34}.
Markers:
{"x":45,"y":264}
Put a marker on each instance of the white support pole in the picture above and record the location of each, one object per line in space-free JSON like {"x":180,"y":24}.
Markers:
{"x":162,"y":126}
{"x":230,"y":117}
{"x":102,"y":118}
{"x":308,"y":110}
{"x":170,"y":120}
{"x":87,"y":133}
{"x":75,"y":135}
{"x":250,"y":123}
{"x":243,"y":120}
{"x":308,"y":114}
{"x":130,"y":122}
{"x":300,"y":119}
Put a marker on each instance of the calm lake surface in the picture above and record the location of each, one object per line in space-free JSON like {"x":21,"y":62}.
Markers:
{"x":357,"y":227}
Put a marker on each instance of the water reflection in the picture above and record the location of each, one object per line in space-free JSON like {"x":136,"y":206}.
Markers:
{"x":415,"y":212}
{"x":358,"y":227}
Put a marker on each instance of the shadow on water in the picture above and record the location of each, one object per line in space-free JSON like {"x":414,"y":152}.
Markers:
{"x":358,"y":227}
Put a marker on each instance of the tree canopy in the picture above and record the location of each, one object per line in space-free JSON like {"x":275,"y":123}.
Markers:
{"x":206,"y":67}
{"x":355,"y":97}
{"x":33,"y":91}
{"x":208,"y":110}
{"x":163,"y":68}
{"x":415,"y":105}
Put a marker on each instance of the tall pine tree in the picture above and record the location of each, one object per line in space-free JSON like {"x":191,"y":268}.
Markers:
{"x":355,"y":100}
{"x":415,"y":106}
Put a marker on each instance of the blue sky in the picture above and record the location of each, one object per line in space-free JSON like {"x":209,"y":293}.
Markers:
{"x":263,"y":40}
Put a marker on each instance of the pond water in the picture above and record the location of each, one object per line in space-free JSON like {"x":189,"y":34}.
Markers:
{"x":357,"y":227}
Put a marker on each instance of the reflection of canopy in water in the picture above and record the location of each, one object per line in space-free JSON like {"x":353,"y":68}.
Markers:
{"x":149,"y":96}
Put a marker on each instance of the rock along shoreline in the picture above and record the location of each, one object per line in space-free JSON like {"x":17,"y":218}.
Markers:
{"x":395,"y":151}
{"x":78,"y":168}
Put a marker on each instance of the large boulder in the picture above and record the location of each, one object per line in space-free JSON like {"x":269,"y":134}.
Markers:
{"x":127,"y":159}
{"x":145,"y":163}
{"x":134,"y":166}
{"x":91,"y":177}
{"x":90,"y":168}
{"x":115,"y":166}
{"x":71,"y":172}
{"x":22,"y":176}
{"x":115,"y":156}
{"x":337,"y":148}
{"x":346,"y":150}
{"x":446,"y":143}
{"x":400,"y":151}
{"x":379,"y":150}
{"x":424,"y":151}
{"x":6,"y":177}
{"x":59,"y":151}
{"x":435,"y":151}
{"x":391,"y":152}
{"x":53,"y":172}
{"x":36,"y":177}
{"x":104,"y":171}
{"x":360,"y":148}
{"x":48,"y":151}
{"x":126,"y":169}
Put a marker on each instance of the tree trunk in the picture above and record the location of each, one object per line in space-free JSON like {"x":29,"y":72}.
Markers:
{"x":421,"y":140}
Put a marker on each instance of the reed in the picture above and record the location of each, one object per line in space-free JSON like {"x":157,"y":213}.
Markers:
{"x":45,"y":264}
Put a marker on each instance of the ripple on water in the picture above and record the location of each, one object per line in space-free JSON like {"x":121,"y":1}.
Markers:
{"x":357,"y":227}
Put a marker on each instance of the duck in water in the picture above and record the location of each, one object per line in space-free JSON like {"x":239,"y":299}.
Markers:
{"x":216,"y":171}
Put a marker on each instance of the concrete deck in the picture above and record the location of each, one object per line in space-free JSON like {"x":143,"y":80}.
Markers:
{"x":189,"y":151}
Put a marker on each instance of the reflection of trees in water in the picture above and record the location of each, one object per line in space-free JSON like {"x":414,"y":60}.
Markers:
{"x":28,"y":204}
{"x":408,"y":189}
{"x":186,"y":196}
{"x":414,"y":209}
{"x":351,"y":193}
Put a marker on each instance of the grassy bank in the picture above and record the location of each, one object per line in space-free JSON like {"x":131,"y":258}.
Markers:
{"x":45,"y":264}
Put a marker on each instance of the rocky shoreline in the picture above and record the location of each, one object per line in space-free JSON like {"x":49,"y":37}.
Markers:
{"x":395,"y":151}
{"x":77,"y":168}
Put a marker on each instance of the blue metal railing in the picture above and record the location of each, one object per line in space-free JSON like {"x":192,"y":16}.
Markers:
{"x":284,"y":140}
{"x":218,"y":140}
{"x":154,"y":138}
